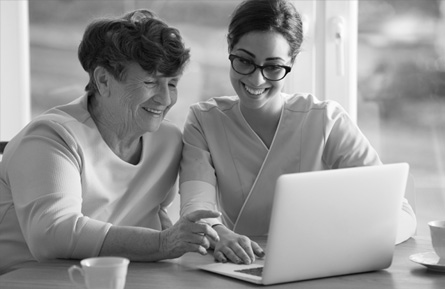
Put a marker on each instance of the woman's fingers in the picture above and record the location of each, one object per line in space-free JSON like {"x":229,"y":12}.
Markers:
{"x":245,"y":251}
{"x":202,"y":214}
{"x":220,"y":257}
{"x":236,"y":248}
{"x":202,"y":240}
{"x":202,"y":227}
{"x":230,"y":255}
{"x":258,"y":250}
{"x":234,"y":253}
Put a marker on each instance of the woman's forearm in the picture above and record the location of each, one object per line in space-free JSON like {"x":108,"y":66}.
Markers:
{"x":134,"y":243}
{"x":188,"y":234}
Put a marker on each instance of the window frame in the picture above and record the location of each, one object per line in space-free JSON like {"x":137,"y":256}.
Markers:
{"x":316,"y":69}
{"x":15,"y":95}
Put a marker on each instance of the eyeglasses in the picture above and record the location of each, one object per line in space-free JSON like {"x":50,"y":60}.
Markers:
{"x":270,"y":72}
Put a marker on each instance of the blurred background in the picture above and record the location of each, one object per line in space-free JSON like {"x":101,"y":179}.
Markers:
{"x":401,"y":72}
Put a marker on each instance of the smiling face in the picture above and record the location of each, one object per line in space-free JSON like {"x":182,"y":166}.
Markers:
{"x":263,"y":48}
{"x":139,"y":103}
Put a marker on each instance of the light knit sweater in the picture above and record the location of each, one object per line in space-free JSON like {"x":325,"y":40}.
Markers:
{"x":62,"y":188}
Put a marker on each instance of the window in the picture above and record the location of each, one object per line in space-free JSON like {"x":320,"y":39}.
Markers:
{"x":401,"y":92}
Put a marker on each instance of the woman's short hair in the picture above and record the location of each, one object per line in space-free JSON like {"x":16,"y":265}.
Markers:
{"x":138,"y":36}
{"x":267,"y":15}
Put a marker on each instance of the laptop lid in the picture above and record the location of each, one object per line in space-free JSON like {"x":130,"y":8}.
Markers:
{"x":330,"y":223}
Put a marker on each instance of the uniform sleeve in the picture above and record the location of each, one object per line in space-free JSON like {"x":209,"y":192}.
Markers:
{"x":197,"y":175}
{"x":346,"y":146}
{"x":45,"y":179}
{"x":196,"y":162}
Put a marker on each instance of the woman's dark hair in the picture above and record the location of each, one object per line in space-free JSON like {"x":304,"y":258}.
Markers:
{"x":267,"y":15}
{"x":138,"y":36}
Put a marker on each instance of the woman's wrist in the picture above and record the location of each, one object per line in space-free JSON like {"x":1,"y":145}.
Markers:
{"x":219,"y":228}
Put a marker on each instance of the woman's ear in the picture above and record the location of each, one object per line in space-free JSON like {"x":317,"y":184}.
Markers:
{"x":102,"y":79}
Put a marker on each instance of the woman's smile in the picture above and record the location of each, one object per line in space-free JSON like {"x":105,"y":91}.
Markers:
{"x":255,"y":91}
{"x":154,"y":112}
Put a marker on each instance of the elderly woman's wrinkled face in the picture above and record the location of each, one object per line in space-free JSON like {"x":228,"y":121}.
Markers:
{"x":142,"y":100}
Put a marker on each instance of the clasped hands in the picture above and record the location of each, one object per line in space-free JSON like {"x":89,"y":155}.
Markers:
{"x":190,"y":234}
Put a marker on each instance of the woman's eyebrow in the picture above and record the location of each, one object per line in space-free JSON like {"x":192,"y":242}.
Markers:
{"x":275,"y":58}
{"x":247,"y":52}
{"x":253,"y":55}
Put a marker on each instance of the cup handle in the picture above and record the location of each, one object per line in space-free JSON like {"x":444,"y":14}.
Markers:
{"x":71,"y":272}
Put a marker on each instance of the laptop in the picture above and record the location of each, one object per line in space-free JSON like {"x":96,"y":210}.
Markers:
{"x":328,"y":223}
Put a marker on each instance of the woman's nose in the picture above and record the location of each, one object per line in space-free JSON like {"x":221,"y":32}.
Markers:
{"x":257,"y":77}
{"x":163,"y":95}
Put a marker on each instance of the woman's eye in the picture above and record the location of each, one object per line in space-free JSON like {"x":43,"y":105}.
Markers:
{"x":173,"y":83}
{"x":245,"y":61}
{"x":273,"y":68}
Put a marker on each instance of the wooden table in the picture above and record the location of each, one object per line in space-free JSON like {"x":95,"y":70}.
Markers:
{"x":182,"y":273}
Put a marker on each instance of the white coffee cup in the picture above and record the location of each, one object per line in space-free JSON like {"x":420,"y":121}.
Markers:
{"x":437,"y":230}
{"x":101,"y":273}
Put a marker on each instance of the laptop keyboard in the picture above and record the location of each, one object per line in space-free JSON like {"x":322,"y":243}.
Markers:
{"x":257,"y":271}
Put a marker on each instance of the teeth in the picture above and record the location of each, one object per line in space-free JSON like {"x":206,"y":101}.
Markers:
{"x":153,"y":110}
{"x":254,"y":91}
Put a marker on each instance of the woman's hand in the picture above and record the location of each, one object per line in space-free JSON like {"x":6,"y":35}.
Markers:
{"x":189,"y":235}
{"x":235,"y":248}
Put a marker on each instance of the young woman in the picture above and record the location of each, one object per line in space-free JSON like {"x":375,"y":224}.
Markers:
{"x":236,"y":147}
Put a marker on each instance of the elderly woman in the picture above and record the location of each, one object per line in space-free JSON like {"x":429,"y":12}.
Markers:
{"x":94,"y":177}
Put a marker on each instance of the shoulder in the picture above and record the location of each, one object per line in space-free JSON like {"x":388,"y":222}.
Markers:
{"x":73,"y":113}
{"x":221,"y":103}
{"x":53,"y":132}
{"x":59,"y":126}
{"x":169,"y":130}
{"x":307,"y":103}
{"x":64,"y":119}
{"x":168,"y":137}
{"x":165,"y":143}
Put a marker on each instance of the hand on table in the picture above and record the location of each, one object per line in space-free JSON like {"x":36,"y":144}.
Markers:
{"x":188,"y":234}
{"x":235,"y":248}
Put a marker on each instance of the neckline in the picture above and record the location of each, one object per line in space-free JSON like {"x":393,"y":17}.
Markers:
{"x":255,"y":133}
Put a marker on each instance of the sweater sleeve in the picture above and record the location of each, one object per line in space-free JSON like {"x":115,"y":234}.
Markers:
{"x":44,"y":173}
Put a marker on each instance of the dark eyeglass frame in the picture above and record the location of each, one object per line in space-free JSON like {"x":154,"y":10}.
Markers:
{"x":232,"y":57}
